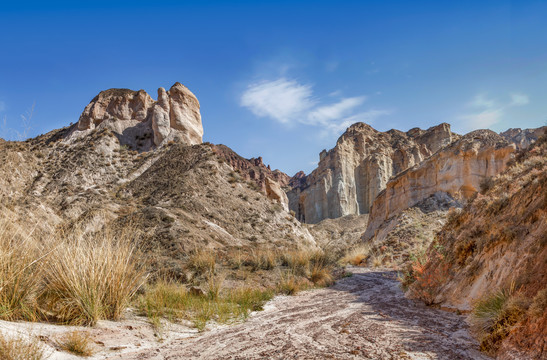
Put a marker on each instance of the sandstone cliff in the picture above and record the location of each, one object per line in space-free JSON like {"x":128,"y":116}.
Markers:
{"x":456,"y":170}
{"x":142,"y":123}
{"x":350,"y":176}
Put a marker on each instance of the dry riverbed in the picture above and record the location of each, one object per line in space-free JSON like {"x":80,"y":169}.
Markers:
{"x":364,"y":316}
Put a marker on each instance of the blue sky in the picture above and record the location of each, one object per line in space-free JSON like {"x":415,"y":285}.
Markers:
{"x":281,"y":79}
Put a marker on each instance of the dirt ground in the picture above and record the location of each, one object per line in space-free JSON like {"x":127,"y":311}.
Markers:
{"x":364,"y":316}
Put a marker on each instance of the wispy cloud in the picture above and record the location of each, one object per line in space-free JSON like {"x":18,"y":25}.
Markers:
{"x":2,"y":106}
{"x":289,"y":102}
{"x":486,"y":112}
{"x":281,"y":99}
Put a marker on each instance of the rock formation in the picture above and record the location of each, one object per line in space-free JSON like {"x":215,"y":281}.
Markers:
{"x":142,"y":123}
{"x":251,"y":169}
{"x":523,"y":138}
{"x":457,"y":170}
{"x":275,"y":193}
{"x":350,"y":175}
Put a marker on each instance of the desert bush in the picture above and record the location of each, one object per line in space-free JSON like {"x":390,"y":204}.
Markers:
{"x":427,"y":272}
{"x":91,"y":277}
{"x":21,"y":268}
{"x":495,"y":314}
{"x":77,"y":343}
{"x":21,"y":348}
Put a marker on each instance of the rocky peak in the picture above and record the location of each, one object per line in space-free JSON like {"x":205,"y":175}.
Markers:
{"x":141,"y":122}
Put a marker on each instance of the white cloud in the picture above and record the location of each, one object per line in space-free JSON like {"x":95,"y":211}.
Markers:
{"x":323,"y":115}
{"x":488,"y":112}
{"x":290,"y":102}
{"x":282,"y":100}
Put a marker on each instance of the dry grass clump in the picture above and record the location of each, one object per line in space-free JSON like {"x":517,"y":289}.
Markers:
{"x":21,"y":348}
{"x":172,"y":301}
{"x":262,"y":259}
{"x":290,"y":283}
{"x":356,"y":255}
{"x":202,"y":261}
{"x":91,"y":277}
{"x":21,"y":268}
{"x":76,"y":343}
{"x":321,"y":275}
{"x":494,"y":316}
{"x":539,"y":303}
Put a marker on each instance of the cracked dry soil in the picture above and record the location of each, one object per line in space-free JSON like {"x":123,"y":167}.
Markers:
{"x":365,"y":316}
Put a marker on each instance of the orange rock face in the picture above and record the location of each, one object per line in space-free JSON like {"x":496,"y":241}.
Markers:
{"x":457,"y":170}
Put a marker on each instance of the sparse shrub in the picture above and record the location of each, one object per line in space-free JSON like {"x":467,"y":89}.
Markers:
{"x":495,"y":314}
{"x":539,"y":304}
{"x":77,"y":343}
{"x":91,"y":277}
{"x":377,"y":260}
{"x":428,"y":271}
{"x":498,"y":204}
{"x":21,"y":348}
{"x":486,"y":184}
{"x":456,"y":217}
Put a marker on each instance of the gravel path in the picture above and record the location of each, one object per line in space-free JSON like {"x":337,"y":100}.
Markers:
{"x":364,"y":316}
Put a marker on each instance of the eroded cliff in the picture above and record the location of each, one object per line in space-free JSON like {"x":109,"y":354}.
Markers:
{"x":357,"y":169}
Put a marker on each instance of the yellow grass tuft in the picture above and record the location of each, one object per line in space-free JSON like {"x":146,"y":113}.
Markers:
{"x":91,"y":277}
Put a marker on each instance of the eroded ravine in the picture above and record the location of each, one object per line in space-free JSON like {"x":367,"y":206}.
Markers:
{"x":365,"y":316}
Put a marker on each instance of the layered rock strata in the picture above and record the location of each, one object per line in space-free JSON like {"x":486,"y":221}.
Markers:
{"x":352,"y":174}
{"x":141,"y":122}
{"x":456,"y":170}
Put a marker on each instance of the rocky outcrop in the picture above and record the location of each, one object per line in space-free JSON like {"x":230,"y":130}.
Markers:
{"x":142,"y":123}
{"x":456,"y":170}
{"x":350,"y":176}
{"x":251,"y":169}
{"x":523,"y":138}
{"x":275,"y":193}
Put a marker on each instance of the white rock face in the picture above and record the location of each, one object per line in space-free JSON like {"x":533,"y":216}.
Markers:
{"x":141,"y":122}
{"x":350,"y":176}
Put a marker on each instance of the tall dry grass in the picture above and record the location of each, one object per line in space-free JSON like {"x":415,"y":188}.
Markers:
{"x":21,"y":269}
{"x":91,"y":277}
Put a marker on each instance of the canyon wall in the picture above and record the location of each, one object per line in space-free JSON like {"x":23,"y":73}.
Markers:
{"x":457,"y":170}
{"x":357,"y":169}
